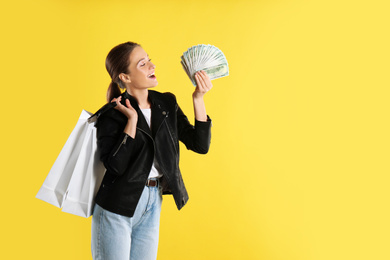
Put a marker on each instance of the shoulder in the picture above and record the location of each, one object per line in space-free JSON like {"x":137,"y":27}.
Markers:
{"x":165,"y":98}
{"x":111,"y":116}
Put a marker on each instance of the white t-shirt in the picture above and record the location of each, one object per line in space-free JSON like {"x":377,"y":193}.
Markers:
{"x":154,"y":173}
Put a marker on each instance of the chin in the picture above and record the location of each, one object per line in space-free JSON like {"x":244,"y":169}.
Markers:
{"x":154,"y":85}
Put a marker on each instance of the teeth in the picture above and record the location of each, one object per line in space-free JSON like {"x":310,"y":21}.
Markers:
{"x":151,"y":75}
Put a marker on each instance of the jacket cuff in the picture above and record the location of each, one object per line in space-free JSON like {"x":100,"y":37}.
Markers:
{"x":203,"y":124}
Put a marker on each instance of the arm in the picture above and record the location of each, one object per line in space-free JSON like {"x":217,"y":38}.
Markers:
{"x":130,"y":113}
{"x":203,"y":85}
{"x":115,"y":140}
{"x":197,"y":138}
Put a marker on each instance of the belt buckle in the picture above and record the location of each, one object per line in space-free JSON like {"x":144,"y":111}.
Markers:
{"x":152,"y":180}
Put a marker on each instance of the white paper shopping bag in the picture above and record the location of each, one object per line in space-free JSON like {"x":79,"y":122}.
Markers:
{"x":86,"y":179}
{"x":77,"y":172}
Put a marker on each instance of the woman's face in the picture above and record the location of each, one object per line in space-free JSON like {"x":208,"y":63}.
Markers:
{"x":141,"y":70}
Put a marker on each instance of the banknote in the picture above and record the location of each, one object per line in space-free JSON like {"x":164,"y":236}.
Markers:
{"x":204,"y":57}
{"x":218,"y":71}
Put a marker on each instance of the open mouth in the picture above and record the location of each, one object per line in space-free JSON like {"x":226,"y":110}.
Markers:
{"x":152,"y":76}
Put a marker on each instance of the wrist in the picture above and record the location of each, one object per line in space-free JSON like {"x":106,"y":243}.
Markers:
{"x":197,"y":96}
{"x":132,"y":119}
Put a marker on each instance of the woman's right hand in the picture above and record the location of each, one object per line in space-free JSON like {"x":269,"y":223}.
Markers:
{"x":130,"y":113}
{"x":127,"y":110}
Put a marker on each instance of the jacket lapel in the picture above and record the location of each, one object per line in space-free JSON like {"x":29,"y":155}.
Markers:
{"x":141,"y":123}
{"x":159,"y":113}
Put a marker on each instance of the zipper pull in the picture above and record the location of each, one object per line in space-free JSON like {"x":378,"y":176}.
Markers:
{"x":123,"y":142}
{"x":125,"y":139}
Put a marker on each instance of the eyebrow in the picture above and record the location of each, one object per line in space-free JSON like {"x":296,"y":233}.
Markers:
{"x":142,"y":59}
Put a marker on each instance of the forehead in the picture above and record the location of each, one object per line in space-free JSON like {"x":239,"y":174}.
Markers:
{"x":137,"y":54}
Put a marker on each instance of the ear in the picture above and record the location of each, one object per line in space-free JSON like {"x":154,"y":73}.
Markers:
{"x":125,"y":78}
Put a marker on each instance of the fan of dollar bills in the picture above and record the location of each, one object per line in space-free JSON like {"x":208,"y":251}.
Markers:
{"x":204,"y":57}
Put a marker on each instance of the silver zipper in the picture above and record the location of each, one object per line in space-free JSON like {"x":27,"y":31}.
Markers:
{"x":154,"y":145}
{"x":123,"y":142}
{"x":170,"y":134}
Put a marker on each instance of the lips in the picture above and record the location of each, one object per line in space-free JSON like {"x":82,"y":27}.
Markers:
{"x":152,"y":76}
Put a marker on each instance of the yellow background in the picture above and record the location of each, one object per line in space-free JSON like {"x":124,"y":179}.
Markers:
{"x":299,"y":160}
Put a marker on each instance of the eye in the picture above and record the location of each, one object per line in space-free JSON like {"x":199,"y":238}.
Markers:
{"x":144,"y":63}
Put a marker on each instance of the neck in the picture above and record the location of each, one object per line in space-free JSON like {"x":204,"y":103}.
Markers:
{"x":141,"y":95}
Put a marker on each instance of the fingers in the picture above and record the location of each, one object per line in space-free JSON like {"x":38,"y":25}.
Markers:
{"x":203,"y":81}
{"x":118,"y":102}
{"x":128,"y":103}
{"x":119,"y":105}
{"x":126,"y":109}
{"x":199,"y":80}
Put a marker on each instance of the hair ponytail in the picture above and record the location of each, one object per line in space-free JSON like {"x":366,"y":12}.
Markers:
{"x":117,"y":62}
{"x":113,"y":91}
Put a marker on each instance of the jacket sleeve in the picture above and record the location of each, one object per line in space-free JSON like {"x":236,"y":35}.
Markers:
{"x":196,"y":138}
{"x":115,"y":146}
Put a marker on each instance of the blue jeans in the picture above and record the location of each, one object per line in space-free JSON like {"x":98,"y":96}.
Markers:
{"x":117,"y":237}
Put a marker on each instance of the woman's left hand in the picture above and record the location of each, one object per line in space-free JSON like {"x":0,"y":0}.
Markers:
{"x":203,"y":84}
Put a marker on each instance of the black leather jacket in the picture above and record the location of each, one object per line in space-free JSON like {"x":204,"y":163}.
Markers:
{"x":128,"y":161}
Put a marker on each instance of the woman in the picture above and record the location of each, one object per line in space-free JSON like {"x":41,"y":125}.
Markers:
{"x":138,"y":144}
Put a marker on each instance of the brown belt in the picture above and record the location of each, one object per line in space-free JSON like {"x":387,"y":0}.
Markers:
{"x":152,"y":183}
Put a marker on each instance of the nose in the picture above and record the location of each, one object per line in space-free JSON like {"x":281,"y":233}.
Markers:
{"x":152,"y":65}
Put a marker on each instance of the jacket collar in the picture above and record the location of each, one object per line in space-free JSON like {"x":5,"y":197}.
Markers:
{"x":159,"y":111}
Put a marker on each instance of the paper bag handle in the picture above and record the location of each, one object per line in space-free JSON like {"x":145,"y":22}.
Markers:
{"x":101,"y":111}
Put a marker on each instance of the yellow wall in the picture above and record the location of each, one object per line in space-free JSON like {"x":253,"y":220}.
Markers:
{"x":299,"y":162}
